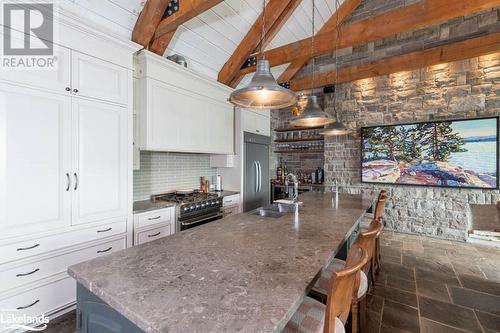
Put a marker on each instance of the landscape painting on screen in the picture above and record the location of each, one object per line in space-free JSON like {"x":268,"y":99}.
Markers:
{"x":459,"y":153}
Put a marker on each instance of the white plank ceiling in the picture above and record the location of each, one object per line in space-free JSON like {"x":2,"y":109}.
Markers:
{"x":208,"y":40}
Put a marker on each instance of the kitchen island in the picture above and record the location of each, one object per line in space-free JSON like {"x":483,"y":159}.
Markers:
{"x":244,"y":273}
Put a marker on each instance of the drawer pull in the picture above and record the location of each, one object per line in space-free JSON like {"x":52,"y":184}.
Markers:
{"x":154,"y":235}
{"x":229,"y":201}
{"x":27,"y":306}
{"x":105,"y":230}
{"x":154,"y":218}
{"x":26,"y":274}
{"x":107,"y":250}
{"x":28,"y":248}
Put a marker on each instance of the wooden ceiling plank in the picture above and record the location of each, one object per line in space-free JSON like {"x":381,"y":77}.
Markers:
{"x":412,"y":17}
{"x":337,"y":19}
{"x":466,"y":49}
{"x":187,"y":10}
{"x":148,"y":20}
{"x":277,"y":12}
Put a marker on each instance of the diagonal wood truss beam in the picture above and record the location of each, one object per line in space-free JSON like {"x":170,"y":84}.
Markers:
{"x":336,"y":20}
{"x":416,"y":16}
{"x":437,"y":55}
{"x":277,"y":13}
{"x":148,"y":20}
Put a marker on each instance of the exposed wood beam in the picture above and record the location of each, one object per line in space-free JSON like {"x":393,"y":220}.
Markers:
{"x":344,"y":11}
{"x":466,"y":49}
{"x":412,"y":17}
{"x":160,"y":44}
{"x":277,"y":12}
{"x":187,"y":10}
{"x":148,"y":20}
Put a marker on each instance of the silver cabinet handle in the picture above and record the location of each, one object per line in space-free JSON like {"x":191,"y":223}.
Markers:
{"x":154,"y":235}
{"x":107,"y":250}
{"x":260,"y":176}
{"x":76,"y":181}
{"x":27,"y":306}
{"x":154,"y":218}
{"x":68,"y":182}
{"x":256,"y":176}
{"x":27,"y":248}
{"x":26,"y":274}
{"x":104,"y":230}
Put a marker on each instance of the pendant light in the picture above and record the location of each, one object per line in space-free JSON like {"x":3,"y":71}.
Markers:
{"x":313,"y":115}
{"x":338,"y":128}
{"x":263,"y":92}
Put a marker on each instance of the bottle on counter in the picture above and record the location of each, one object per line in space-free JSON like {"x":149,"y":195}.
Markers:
{"x":279,"y":170}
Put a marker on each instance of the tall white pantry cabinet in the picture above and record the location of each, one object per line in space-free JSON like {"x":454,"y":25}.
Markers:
{"x":65,"y":167}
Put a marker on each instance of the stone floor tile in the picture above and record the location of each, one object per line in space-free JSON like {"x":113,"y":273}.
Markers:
{"x":448,"y":314}
{"x":480,"y":284}
{"x":400,"y":316}
{"x":390,"y":251}
{"x":433,"y":265}
{"x":373,"y":320}
{"x":433,"y":289}
{"x":475,"y":299}
{"x":391,"y":259}
{"x":488,"y":321}
{"x":398,"y":270}
{"x":450,"y":279}
{"x":429,"y":326}
{"x":395,"y":295}
{"x":63,"y":324}
{"x":402,"y":284}
{"x":492,"y":273}
{"x":374,"y":303}
{"x":462,"y":268}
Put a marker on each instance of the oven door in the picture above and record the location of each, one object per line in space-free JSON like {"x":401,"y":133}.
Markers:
{"x":191,"y":222}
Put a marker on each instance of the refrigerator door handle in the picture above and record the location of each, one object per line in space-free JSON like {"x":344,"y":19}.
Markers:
{"x":256,"y":176}
{"x":260,"y":176}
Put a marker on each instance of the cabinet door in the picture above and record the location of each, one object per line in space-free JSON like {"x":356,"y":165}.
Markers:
{"x":35,"y":158}
{"x":99,"y":160}
{"x":57,"y":79}
{"x":92,"y":77}
{"x":221,"y":135}
{"x":263,"y":125}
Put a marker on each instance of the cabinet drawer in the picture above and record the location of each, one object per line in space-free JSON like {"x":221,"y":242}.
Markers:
{"x":28,"y":248}
{"x":228,"y":211}
{"x":231,"y":200}
{"x":43,"y":299}
{"x":19,"y":275}
{"x":154,"y":217}
{"x":152,"y":234}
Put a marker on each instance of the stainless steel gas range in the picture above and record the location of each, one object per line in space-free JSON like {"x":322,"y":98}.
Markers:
{"x":193,"y":208}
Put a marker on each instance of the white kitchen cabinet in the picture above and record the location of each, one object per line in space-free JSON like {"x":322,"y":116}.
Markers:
{"x":149,"y":235}
{"x":135,"y":144}
{"x":96,"y":78}
{"x":100,"y":161}
{"x":180,"y":110}
{"x":35,"y":161}
{"x":257,"y":122}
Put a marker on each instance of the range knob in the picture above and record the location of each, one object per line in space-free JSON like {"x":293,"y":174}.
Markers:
{"x":185,"y":209}
{"x":192,"y":207}
{"x":197,"y":206}
{"x":202,"y":205}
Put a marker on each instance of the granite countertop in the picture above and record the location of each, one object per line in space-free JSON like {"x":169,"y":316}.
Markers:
{"x":243,"y":273}
{"x":148,"y":205}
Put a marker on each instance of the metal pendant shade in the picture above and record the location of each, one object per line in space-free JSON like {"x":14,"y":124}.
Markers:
{"x":263,"y":92}
{"x":335,"y":129}
{"x":313,"y":115}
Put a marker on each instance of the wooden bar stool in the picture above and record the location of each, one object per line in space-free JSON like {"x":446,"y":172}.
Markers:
{"x":367,"y":241}
{"x":314,"y":317}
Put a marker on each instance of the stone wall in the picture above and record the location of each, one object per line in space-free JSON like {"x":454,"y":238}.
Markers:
{"x":462,"y":89}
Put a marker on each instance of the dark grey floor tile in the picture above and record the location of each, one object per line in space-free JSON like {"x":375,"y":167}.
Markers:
{"x":433,"y":265}
{"x":449,"y":314}
{"x":391,"y":259}
{"x":374,"y":303}
{"x":402,"y":284}
{"x":450,"y":279}
{"x":462,"y":268}
{"x":473,"y":282}
{"x":488,"y":321}
{"x":433,"y":289}
{"x":390,"y":251}
{"x":400,"y":317}
{"x":397,"y":270}
{"x":373,"y":321}
{"x":429,"y":326}
{"x":395,"y":295}
{"x":475,"y":299}
{"x":63,"y":324}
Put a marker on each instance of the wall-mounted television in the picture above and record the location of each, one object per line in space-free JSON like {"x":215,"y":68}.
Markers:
{"x":455,"y":153}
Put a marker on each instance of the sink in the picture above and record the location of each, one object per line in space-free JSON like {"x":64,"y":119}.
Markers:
{"x":275,"y":210}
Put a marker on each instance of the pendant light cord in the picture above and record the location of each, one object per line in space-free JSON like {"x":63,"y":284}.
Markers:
{"x":312,"y":46}
{"x":262,"y":33}
{"x":337,"y":28}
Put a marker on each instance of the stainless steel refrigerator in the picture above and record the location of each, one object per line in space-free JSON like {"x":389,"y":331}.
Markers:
{"x":256,"y":183}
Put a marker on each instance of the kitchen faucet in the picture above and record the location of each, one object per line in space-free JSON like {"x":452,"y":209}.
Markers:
{"x":295,"y":186}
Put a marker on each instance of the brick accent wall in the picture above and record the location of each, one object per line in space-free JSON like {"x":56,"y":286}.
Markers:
{"x":164,"y":172}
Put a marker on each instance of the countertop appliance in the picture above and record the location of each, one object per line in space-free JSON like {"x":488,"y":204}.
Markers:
{"x":193,"y":208}
{"x":255,"y":171}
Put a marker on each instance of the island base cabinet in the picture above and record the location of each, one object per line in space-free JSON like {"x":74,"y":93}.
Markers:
{"x":95,"y":316}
